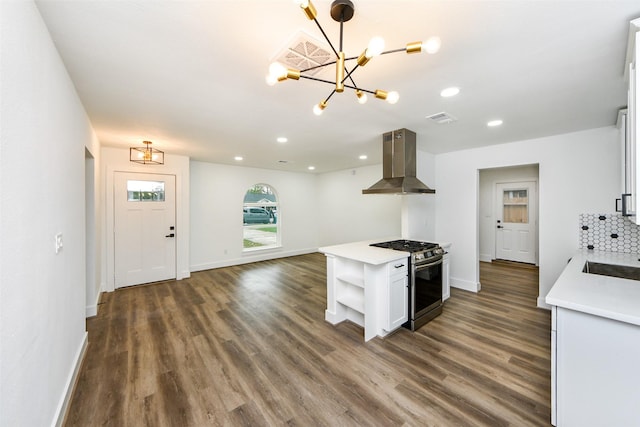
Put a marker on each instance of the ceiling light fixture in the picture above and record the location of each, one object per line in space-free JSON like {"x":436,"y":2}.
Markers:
{"x":146,"y":155}
{"x":238,"y":158}
{"x":342,"y":11}
{"x":363,"y":157}
{"x":449,"y":92}
{"x":494,"y":123}
{"x":282,"y":139}
{"x":311,"y":168}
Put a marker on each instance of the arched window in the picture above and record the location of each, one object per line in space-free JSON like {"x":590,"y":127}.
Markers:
{"x":260,"y":216}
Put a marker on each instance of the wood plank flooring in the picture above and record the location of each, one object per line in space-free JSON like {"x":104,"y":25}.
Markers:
{"x":248,"y":346}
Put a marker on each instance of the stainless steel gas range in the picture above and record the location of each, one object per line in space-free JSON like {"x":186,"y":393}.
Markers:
{"x":425,"y":279}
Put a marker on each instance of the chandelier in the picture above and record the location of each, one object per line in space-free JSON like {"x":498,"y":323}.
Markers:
{"x":342,"y":11}
{"x":146,"y":155}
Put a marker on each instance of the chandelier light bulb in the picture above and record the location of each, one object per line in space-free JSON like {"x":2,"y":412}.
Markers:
{"x":271,"y":79}
{"x":277,"y":71}
{"x":393,"y":97}
{"x":362,"y":97}
{"x":302,"y":3}
{"x":319,"y":108}
{"x":432,"y":45}
{"x":375,"y":47}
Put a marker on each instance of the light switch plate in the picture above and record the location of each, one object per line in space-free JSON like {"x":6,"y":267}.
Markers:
{"x":58,"y":242}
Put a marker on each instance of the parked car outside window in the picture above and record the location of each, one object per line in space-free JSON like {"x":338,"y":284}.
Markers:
{"x":256,"y":216}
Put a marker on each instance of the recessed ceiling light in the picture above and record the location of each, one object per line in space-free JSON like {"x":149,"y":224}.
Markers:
{"x":494,"y":123}
{"x":450,"y":91}
{"x":282,"y":139}
{"x":363,"y":157}
{"x":238,"y":158}
{"x":311,"y":168}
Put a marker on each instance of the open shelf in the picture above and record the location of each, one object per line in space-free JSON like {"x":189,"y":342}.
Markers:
{"x":352,"y":301}
{"x":352,"y":279}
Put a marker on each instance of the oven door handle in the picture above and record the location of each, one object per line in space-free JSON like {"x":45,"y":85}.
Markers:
{"x":431,"y":264}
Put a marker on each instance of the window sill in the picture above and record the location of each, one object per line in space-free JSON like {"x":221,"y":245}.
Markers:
{"x":260,"y":248}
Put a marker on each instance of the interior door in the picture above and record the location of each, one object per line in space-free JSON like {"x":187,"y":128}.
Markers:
{"x":144,"y":228}
{"x":516,"y":221}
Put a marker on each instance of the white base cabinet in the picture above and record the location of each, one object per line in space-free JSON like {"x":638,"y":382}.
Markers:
{"x":595,"y":368}
{"x":373,"y":296}
{"x":394,"y":306}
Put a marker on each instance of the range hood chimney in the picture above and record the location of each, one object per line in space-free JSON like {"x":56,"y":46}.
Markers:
{"x":399,"y":166}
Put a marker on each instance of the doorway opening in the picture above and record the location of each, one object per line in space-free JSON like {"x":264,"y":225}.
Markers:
{"x":508,"y":218}
{"x":92,"y":291}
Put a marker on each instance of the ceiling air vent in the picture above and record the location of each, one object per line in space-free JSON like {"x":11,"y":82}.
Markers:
{"x":442,"y":118}
{"x":304,"y":52}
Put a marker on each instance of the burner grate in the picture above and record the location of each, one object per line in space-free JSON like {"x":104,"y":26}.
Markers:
{"x":406,"y":245}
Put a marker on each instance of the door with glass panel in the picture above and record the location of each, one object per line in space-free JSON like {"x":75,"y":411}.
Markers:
{"x":144,"y":228}
{"x":516,"y":221}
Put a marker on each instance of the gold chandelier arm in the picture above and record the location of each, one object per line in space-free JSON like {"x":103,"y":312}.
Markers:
{"x":325,"y":36}
{"x":354,"y":87}
{"x":318,"y":66}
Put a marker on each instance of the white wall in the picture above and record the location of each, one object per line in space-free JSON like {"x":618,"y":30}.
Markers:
{"x":44,"y":133}
{"x":347,"y":215}
{"x":578,"y":172}
{"x":216,"y":213}
{"x":117,"y":160}
{"x":487,"y":203}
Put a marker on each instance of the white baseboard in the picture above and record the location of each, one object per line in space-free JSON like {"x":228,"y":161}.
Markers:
{"x":92,"y":310}
{"x":331,"y":317}
{"x":252,"y":257}
{"x":485,"y":258}
{"x":464,"y":284}
{"x":542,"y":304}
{"x":63,"y":406}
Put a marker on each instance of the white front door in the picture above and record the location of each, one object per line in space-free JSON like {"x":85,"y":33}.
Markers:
{"x":516,"y":220}
{"x":144,"y":228}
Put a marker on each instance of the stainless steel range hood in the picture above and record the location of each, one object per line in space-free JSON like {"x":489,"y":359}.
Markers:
{"x":399,"y":166}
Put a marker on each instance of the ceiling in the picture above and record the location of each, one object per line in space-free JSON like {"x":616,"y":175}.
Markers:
{"x":190,"y":75}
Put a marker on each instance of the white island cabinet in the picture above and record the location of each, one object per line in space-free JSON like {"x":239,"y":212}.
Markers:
{"x":595,"y":344}
{"x":368,"y":286}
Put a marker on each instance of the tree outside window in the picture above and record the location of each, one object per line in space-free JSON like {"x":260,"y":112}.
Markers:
{"x":260,"y":217}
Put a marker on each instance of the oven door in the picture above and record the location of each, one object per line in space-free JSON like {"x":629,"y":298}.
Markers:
{"x":426,"y":288}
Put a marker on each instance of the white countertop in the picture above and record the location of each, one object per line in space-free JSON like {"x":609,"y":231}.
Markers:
{"x":610,"y":297}
{"x":362,"y":252}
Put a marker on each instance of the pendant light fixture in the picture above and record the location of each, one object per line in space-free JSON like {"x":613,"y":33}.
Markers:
{"x":342,"y":11}
{"x":146,"y":155}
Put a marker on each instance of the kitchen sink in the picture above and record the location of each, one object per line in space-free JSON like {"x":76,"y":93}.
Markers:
{"x":612,"y":270}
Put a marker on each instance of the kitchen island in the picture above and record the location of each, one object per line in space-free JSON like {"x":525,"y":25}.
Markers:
{"x":595,"y":344}
{"x":369,"y":286}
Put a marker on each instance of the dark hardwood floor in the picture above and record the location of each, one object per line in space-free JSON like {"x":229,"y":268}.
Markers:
{"x":248,"y":345}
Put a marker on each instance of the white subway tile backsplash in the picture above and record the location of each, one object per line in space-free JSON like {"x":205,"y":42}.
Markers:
{"x":609,"y":232}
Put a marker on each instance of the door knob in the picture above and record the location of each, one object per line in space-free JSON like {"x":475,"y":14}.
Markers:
{"x":499,"y":226}
{"x":170,"y":235}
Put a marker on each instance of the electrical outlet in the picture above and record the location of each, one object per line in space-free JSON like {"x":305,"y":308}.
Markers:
{"x":58,"y":242}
